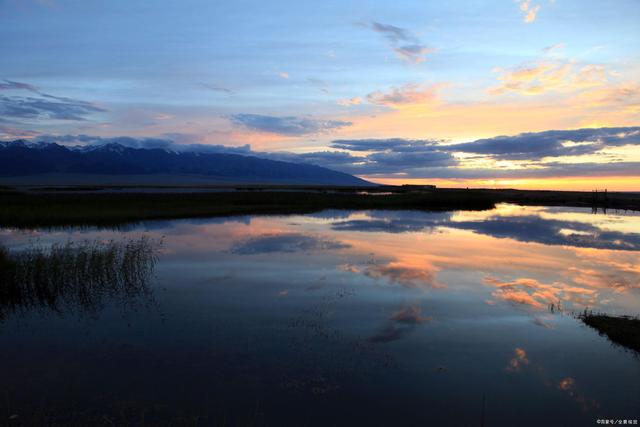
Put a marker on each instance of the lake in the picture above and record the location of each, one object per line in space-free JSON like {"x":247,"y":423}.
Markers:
{"x":334,"y":318}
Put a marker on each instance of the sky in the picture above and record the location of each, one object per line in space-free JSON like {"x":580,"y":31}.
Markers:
{"x":524,"y":94}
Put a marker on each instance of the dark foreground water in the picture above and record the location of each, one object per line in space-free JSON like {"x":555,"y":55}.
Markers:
{"x":338,"y":318}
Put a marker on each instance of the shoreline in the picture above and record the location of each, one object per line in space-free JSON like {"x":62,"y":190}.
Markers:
{"x":621,"y":330}
{"x":47,"y":206}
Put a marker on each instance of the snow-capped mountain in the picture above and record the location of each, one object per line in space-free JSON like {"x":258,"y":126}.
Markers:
{"x":22,"y":158}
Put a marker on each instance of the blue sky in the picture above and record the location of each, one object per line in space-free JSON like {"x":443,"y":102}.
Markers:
{"x":295,"y":76}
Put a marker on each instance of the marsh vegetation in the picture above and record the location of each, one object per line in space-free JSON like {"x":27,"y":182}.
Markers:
{"x":81,"y":275}
{"x":621,"y":330}
{"x":69,"y":208}
{"x":79,"y":206}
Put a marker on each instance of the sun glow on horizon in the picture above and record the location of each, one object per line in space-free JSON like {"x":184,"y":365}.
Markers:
{"x":629,"y":184}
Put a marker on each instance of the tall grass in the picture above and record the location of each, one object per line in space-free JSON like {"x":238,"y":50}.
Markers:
{"x":74,"y":275}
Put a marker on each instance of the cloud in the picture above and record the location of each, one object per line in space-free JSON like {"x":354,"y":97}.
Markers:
{"x":590,"y":75}
{"x":404,"y":275}
{"x":287,"y":243}
{"x":395,"y":222}
{"x":621,"y":97}
{"x":568,"y":385}
{"x":429,"y":158}
{"x":549,"y":74}
{"x":42,"y":106}
{"x":392,"y":33}
{"x":398,"y":161}
{"x":9,"y":132}
{"x":320,"y":84}
{"x":337,"y":159}
{"x":384,"y":156}
{"x":390,"y":332}
{"x":399,"y":145}
{"x":518,"y":361}
{"x":542,"y":170}
{"x":399,"y":273}
{"x":411,"y":315}
{"x":539,"y":321}
{"x":552,"y":143}
{"x":218,"y":89}
{"x":553,"y":48}
{"x":395,"y":154}
{"x":413,"y":52}
{"x":409,"y":94}
{"x":552,"y":232}
{"x":536,"y":295}
{"x":529,"y":11}
{"x":523,"y":228}
{"x":533,"y":78}
{"x":32,"y":108}
{"x":347,"y":102}
{"x":404,"y":43}
{"x":287,"y":125}
{"x":11,"y":85}
{"x":543,"y":152}
{"x":400,"y":324}
{"x":170,"y":142}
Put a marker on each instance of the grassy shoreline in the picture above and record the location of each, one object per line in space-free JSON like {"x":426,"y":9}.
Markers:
{"x":61,"y":206}
{"x":621,"y":330}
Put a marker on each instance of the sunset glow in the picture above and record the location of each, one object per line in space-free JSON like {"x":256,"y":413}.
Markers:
{"x":288,"y":80}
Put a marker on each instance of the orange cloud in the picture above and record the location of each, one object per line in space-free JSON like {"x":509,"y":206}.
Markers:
{"x":625,"y":97}
{"x":573,"y":98}
{"x":400,"y":273}
{"x":410,"y":315}
{"x":529,"y":11}
{"x":518,"y":361}
{"x":532,"y":293}
{"x":590,"y":75}
{"x":409,"y":94}
{"x":347,"y":102}
{"x":568,"y":385}
{"x":540,"y":77}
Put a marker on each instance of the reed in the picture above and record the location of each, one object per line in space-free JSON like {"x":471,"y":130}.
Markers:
{"x":82,"y":276}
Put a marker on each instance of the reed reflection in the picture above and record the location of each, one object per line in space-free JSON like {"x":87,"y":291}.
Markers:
{"x":79,"y":277}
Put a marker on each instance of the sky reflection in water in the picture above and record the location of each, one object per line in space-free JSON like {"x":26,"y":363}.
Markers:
{"x":407,"y":316}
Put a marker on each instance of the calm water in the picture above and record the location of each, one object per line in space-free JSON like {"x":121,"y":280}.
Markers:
{"x":337,"y":318}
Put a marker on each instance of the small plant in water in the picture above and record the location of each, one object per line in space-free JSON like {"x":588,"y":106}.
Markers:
{"x":78,"y":275}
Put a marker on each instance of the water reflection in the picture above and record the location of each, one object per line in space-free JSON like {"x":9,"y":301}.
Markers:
{"x":553,"y":232}
{"x":400,"y":323}
{"x":520,"y":364}
{"x":286,"y":242}
{"x":280,"y":320}
{"x":530,"y":228}
{"x":76,"y":277}
{"x":395,"y":222}
{"x":538,"y":295}
{"x":398,"y":273}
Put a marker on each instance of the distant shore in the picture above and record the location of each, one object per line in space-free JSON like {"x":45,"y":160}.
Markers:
{"x":622,"y":330}
{"x":34,"y":206}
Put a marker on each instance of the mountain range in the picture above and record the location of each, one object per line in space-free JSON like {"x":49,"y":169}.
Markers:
{"x":22,"y":158}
